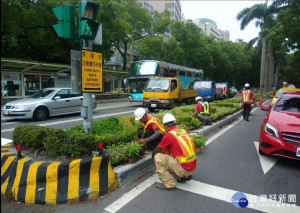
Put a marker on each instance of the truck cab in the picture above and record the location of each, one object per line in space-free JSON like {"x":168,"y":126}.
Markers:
{"x":206,"y":89}
{"x":219,"y":89}
{"x":168,"y":92}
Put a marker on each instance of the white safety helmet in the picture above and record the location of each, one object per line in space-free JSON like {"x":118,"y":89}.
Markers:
{"x":139,"y":113}
{"x":199,"y":98}
{"x":168,"y":118}
{"x":247,"y":85}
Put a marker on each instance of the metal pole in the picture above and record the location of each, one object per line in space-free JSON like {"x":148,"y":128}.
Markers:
{"x":87,"y":97}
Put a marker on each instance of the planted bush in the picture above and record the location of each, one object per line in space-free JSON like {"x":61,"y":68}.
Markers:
{"x":29,"y":135}
{"x":199,"y":140}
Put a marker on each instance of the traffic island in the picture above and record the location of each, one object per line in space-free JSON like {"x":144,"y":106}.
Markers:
{"x":39,"y":182}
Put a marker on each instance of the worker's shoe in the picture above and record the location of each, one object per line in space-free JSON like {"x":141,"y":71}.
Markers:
{"x":162,"y":186}
{"x":183,"y":180}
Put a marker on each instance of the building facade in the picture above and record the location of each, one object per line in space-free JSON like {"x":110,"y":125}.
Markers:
{"x":174,"y":6}
{"x":209,"y":28}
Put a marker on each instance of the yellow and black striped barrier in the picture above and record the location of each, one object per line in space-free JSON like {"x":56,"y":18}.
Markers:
{"x":37,"y":182}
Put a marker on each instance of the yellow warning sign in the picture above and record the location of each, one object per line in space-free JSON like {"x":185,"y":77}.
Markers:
{"x":92,"y":72}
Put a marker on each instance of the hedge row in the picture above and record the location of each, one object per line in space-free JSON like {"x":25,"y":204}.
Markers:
{"x":117,"y":134}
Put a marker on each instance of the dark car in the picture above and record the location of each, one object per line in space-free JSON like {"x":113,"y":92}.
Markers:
{"x":280,"y":130}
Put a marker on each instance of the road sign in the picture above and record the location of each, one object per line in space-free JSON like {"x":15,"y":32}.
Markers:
{"x":92,"y":72}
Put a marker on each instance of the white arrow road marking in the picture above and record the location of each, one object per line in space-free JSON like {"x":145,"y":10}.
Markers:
{"x":126,"y":198}
{"x":267,"y":162}
{"x":215,"y":192}
{"x":5,"y":141}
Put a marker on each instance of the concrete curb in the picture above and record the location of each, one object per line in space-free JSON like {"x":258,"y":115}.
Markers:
{"x":39,"y":182}
{"x":128,"y":173}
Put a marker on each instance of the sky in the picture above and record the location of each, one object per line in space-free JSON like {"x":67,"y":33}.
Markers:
{"x":224,"y":13}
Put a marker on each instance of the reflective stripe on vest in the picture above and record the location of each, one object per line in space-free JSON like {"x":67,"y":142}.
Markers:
{"x":186,"y":144}
{"x":156,"y":121}
{"x":246,"y":96}
{"x":205,"y":108}
{"x":224,"y":91}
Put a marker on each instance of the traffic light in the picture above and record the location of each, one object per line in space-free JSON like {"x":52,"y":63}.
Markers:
{"x":87,"y":15}
{"x":66,"y":14}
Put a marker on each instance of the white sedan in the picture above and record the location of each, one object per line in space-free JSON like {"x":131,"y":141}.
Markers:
{"x":45,"y":103}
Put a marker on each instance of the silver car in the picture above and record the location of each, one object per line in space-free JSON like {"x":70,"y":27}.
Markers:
{"x":45,"y":103}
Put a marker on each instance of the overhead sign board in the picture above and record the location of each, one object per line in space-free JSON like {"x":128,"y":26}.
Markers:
{"x":92,"y":72}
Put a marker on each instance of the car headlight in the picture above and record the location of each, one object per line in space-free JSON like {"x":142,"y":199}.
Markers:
{"x":164,"y":101}
{"x":20,"y":107}
{"x":271,"y":130}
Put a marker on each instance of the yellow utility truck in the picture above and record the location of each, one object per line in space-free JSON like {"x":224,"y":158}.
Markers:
{"x":168,"y":92}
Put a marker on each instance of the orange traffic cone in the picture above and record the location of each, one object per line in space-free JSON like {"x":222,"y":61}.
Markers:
{"x":260,"y":102}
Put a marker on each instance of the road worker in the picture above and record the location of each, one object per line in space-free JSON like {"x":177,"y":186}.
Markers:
{"x":224,"y":92}
{"x":152,"y":131}
{"x":246,"y":98}
{"x":202,"y":111}
{"x":174,"y":156}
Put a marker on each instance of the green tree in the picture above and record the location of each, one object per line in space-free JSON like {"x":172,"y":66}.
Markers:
{"x":263,"y":16}
{"x":27,"y":32}
{"x":127,"y":22}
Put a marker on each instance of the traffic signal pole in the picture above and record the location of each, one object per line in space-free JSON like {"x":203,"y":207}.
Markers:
{"x":87,"y":97}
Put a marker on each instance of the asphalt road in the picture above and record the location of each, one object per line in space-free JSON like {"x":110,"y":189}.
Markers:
{"x":229,"y":164}
{"x":103,"y":110}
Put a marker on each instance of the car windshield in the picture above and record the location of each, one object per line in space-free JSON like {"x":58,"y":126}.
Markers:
{"x":220,"y":85}
{"x":281,"y":92}
{"x":160,"y":84}
{"x":202,"y":85}
{"x":41,"y":93}
{"x":288,"y":104}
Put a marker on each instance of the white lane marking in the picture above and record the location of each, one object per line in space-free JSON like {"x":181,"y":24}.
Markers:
{"x":72,"y":120}
{"x":223,"y":194}
{"x":5,"y":141}
{"x":126,"y":198}
{"x":266,"y":162}
{"x":208,"y":190}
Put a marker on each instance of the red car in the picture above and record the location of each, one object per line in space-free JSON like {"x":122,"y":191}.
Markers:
{"x":280,"y":130}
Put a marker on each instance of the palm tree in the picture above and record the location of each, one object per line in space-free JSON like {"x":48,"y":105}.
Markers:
{"x":262,"y":14}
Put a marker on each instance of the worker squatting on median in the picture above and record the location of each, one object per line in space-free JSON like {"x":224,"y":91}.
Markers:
{"x":174,"y":156}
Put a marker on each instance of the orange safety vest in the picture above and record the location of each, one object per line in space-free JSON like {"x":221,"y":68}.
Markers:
{"x":224,"y":91}
{"x":246,"y":96}
{"x":186,"y":144}
{"x":157,"y":122}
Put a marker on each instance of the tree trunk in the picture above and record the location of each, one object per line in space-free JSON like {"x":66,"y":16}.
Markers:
{"x":267,"y":74}
{"x":262,"y":64}
{"x":276,"y":77}
{"x":271,"y":65}
{"x":125,"y":55}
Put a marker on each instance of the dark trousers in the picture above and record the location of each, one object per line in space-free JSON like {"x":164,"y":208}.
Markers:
{"x":150,"y":145}
{"x":247,"y":109}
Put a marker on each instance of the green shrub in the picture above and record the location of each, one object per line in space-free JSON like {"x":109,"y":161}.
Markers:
{"x":29,"y":135}
{"x":132,"y":149}
{"x":199,"y":140}
{"x":116,"y":154}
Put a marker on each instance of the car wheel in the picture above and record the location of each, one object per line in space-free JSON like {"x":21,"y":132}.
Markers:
{"x":151,"y":109}
{"x":40,"y":113}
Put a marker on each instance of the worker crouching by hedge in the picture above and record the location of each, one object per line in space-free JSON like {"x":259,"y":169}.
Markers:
{"x":174,"y":156}
{"x":203,"y":111}
{"x":152,"y":131}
